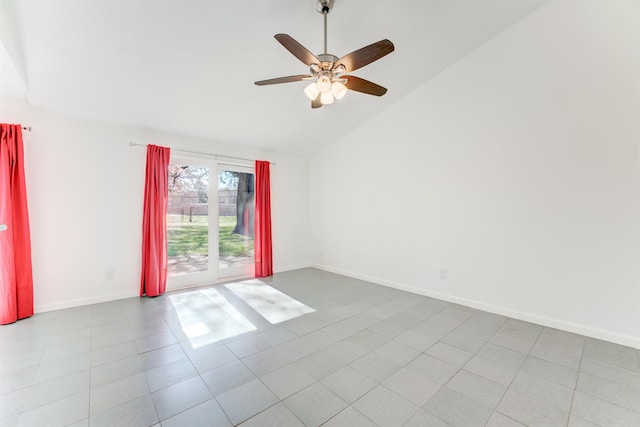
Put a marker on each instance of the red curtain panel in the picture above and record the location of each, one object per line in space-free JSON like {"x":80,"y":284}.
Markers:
{"x":16,"y":275}
{"x":153,"y":280}
{"x":262,"y":226}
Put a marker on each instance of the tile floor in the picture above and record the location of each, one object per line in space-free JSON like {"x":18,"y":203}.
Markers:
{"x":350,"y":354}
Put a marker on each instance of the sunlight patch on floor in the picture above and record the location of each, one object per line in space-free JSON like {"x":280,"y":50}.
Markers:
{"x":270,"y":303}
{"x":206,"y":317}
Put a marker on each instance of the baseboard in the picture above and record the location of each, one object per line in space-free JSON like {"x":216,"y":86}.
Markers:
{"x":42,"y":308}
{"x":292,"y":267}
{"x":622,"y":339}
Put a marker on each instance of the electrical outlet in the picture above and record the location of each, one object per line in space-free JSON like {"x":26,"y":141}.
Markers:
{"x":443,"y":273}
{"x":109,"y":274}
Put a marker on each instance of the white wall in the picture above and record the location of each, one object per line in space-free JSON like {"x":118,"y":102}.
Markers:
{"x":516,"y":170}
{"x":85,"y":190}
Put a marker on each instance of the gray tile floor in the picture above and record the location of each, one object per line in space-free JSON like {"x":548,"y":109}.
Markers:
{"x":335,"y":352}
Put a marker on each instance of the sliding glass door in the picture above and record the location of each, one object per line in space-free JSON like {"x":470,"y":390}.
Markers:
{"x":209,"y":240}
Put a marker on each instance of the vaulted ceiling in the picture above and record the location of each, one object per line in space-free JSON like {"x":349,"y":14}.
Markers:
{"x":188,"y":66}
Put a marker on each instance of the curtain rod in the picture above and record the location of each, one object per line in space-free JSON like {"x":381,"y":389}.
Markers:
{"x":27,"y":128}
{"x":215,"y":156}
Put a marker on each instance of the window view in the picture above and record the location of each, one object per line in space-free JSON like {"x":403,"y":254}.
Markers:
{"x":236,"y":204}
{"x":188,"y":219}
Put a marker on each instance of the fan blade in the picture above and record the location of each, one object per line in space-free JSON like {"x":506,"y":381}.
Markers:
{"x":287,"y":79}
{"x":364,"y":86}
{"x":297,"y":49}
{"x":366,"y":55}
{"x":316,"y":102}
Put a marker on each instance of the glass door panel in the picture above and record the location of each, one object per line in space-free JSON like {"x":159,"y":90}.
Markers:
{"x":190,"y":223}
{"x":235,"y":221}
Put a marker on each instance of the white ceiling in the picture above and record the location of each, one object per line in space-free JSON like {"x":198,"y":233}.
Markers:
{"x":188,"y":66}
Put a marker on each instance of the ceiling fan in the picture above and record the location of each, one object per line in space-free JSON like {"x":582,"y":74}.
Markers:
{"x":328,"y":81}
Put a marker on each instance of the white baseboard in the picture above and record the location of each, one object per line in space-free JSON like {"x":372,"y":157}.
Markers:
{"x":292,"y":267}
{"x":60,"y":305}
{"x":576,"y":328}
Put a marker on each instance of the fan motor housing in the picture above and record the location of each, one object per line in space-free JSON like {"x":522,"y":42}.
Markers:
{"x":327,"y":60}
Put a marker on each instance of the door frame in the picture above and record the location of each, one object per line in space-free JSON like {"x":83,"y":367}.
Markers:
{"x":212,"y":275}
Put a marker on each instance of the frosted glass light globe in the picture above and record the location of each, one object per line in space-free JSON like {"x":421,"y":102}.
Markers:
{"x":338,"y":89}
{"x":326,"y":98}
{"x":312,"y":91}
{"x":324,"y":84}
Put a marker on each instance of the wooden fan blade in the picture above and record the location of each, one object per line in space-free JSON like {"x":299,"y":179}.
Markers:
{"x":364,"y":86}
{"x":287,"y":79}
{"x":366,"y":55}
{"x":316,"y":102}
{"x":297,"y":49}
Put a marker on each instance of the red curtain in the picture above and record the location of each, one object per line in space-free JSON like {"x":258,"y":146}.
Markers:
{"x":262,"y":226}
{"x":16,"y":276}
{"x":153,"y":280}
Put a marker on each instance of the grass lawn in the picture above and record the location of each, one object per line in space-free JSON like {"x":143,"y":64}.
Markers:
{"x":191,"y":238}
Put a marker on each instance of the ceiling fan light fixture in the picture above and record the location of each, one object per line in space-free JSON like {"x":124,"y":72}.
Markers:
{"x":312,"y":91}
{"x":338,"y":89}
{"x":326,"y":98}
